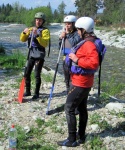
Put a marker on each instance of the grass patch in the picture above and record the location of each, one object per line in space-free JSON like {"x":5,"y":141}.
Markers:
{"x":32,"y":140}
{"x":51,"y":122}
{"x":111,"y":87}
{"x":103,"y":99}
{"x":47,"y":77}
{"x":40,"y":122}
{"x":96,"y":119}
{"x":14,"y":61}
{"x":94,"y":143}
{"x":119,"y":114}
{"x":103,"y":28}
{"x":121,"y":32}
{"x":2,"y":135}
{"x":57,"y":129}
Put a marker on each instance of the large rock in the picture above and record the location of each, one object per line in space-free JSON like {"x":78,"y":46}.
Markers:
{"x":118,"y":107}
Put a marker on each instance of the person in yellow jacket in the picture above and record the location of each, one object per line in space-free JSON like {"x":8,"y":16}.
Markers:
{"x":40,"y":40}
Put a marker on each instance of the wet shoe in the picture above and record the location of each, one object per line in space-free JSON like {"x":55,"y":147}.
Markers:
{"x":82,"y":140}
{"x":67,"y":143}
{"x":36,"y":96}
{"x":27,"y":94}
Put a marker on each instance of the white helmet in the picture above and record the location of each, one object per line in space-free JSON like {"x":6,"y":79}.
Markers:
{"x":86,"y":23}
{"x":70,"y":18}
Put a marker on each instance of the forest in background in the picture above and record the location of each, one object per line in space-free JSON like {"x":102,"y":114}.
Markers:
{"x":113,"y":13}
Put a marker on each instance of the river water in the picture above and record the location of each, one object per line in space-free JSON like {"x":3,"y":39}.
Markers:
{"x":112,"y":67}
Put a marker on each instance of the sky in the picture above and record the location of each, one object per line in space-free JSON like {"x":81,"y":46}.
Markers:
{"x":35,"y":3}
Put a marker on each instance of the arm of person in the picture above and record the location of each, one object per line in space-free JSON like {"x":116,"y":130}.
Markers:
{"x":25,"y":34}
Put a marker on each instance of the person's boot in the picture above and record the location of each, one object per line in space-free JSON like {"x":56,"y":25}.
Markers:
{"x":35,"y":96}
{"x":27,"y":93}
{"x":81,"y":136}
{"x":67,"y":143}
{"x":36,"y":93}
{"x":82,"y":140}
{"x":70,"y":141}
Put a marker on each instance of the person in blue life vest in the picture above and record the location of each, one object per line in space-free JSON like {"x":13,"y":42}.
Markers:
{"x":86,"y":59}
{"x":71,"y":38}
{"x":41,"y":37}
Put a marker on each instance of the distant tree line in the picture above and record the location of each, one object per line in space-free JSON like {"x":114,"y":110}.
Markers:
{"x":113,"y":13}
{"x":17,"y":13}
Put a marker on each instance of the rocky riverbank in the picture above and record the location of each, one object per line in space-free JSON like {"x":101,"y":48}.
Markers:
{"x":111,"y":38}
{"x":106,"y":116}
{"x":106,"y":121}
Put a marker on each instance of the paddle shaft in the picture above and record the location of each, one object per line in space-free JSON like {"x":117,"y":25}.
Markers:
{"x":54,"y":78}
{"x":28,"y":53}
{"x":22,"y":84}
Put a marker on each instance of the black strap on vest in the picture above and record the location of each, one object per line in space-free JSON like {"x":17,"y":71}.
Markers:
{"x":49,"y":47}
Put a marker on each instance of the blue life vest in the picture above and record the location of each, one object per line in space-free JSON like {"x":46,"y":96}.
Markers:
{"x":34,"y":44}
{"x":37,"y":50}
{"x":74,"y":68}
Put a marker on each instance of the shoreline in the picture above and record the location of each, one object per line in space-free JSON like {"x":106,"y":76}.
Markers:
{"x":111,"y":38}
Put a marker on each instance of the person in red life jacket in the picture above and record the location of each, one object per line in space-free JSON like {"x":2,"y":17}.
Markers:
{"x":41,"y":36}
{"x":87,"y":58}
{"x":71,"y":38}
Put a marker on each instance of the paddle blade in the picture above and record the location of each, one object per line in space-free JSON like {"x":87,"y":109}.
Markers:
{"x":21,"y":91}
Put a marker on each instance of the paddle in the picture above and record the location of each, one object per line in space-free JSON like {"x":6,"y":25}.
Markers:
{"x":51,"y":92}
{"x":22,"y":84}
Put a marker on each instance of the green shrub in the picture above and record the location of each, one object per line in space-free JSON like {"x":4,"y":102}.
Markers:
{"x":14,"y":61}
{"x":2,"y":50}
{"x":111,"y":87}
{"x":94,"y":143}
{"x":94,"y":119}
{"x":121,"y":32}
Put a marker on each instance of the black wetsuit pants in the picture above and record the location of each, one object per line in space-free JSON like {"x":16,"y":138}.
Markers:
{"x":77,"y":98}
{"x":38,"y":64}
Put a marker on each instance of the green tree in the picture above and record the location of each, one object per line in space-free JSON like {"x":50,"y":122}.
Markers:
{"x":29,"y":18}
{"x":56,"y":16}
{"x":80,"y":4}
{"x":2,"y":17}
{"x":122,"y":12}
{"x":86,"y":7}
{"x":8,"y":9}
{"x":112,"y":12}
{"x":72,"y":13}
{"x":61,"y":10}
